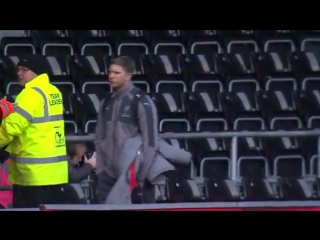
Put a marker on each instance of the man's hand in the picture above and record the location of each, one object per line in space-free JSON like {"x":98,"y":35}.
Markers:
{"x":92,"y":160}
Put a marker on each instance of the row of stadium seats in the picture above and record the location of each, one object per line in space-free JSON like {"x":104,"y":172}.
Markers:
{"x":182,"y":73}
{"x":226,"y":190}
{"x":191,"y":109}
{"x":129,"y":42}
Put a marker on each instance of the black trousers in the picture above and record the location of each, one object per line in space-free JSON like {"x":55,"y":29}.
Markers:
{"x":33,"y":196}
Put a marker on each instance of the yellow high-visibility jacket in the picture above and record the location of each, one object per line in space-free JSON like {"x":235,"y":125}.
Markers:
{"x":36,"y":137}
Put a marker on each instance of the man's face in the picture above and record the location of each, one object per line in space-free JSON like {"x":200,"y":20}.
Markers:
{"x":117,"y":76}
{"x":25,"y":75}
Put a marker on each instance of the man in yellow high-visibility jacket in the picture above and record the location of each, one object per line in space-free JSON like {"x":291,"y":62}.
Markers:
{"x":36,"y":138}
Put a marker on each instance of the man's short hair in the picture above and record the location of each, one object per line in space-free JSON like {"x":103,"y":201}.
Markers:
{"x":126,"y":63}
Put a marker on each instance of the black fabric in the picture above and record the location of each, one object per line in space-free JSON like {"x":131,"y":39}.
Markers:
{"x":78,"y":174}
{"x":3,"y":155}
{"x":35,"y":63}
{"x":33,"y":196}
{"x":71,"y":196}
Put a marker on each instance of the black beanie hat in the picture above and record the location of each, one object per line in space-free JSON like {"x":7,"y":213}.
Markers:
{"x":35,"y":63}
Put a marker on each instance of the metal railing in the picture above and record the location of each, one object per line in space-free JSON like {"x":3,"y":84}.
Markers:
{"x":234,"y":135}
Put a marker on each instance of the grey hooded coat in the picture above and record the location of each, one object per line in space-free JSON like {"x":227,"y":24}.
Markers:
{"x":120,"y":193}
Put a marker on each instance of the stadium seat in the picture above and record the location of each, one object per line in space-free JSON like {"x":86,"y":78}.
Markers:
{"x":60,"y":77}
{"x":17,"y":46}
{"x":59,"y":74}
{"x":276,"y":103}
{"x":199,"y":34}
{"x":294,"y":189}
{"x":242,"y":45}
{"x":306,"y":65}
{"x":239,"y":104}
{"x":308,"y":102}
{"x":309,"y":145}
{"x":174,"y":125}
{"x":95,"y":46}
{"x":73,"y":194}
{"x":211,"y":85}
{"x":90,"y":127}
{"x":89,"y":72}
{"x":202,"y":41}
{"x":235,"y":33}
{"x":211,"y":155}
{"x":199,"y":64}
{"x":49,"y":33}
{"x":131,"y":46}
{"x":240,"y":74}
{"x":70,"y":115}
{"x":97,"y":90}
{"x":272,"y":65}
{"x":161,"y":34}
{"x":310,"y":43}
{"x":221,"y":190}
{"x":88,"y":107}
{"x":142,"y":84}
{"x":57,"y":65}
{"x":258,"y":189}
{"x":263,"y":36}
{"x":237,"y":64}
{"x":181,"y":190}
{"x":170,"y":106}
{"x":205,"y":113}
{"x":252,"y":163}
{"x":285,"y":153}
{"x":126,"y":34}
{"x":308,"y":105}
{"x":202,"y":72}
{"x":9,"y":80}
{"x":168,"y":47}
{"x":284,"y":84}
{"x":202,"y":105}
{"x":88,"y":65}
{"x":56,"y":47}
{"x":209,"y":46}
{"x":85,"y":34}
{"x":165,"y":73}
{"x":279,"y":44}
{"x":273,"y":33}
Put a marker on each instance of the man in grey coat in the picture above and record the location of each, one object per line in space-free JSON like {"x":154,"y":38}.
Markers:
{"x":118,"y":122}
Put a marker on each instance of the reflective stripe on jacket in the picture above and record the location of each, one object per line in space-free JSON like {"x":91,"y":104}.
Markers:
{"x":5,"y":196}
{"x":36,"y":137}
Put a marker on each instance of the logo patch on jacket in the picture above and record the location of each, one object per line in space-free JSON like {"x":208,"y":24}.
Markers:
{"x":126,"y":112}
